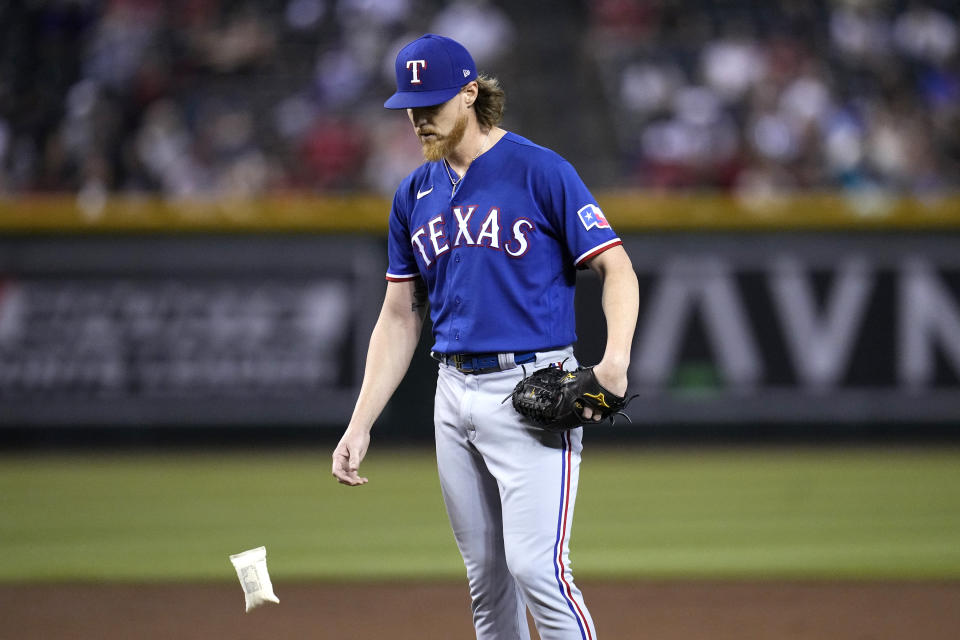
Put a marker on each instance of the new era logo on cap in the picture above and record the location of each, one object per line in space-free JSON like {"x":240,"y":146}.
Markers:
{"x":430,"y":70}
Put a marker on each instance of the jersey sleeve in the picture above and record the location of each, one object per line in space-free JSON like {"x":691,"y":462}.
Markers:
{"x":401,"y":264}
{"x":579,"y":221}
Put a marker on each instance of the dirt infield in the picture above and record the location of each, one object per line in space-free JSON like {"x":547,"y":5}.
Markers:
{"x":401,"y":611}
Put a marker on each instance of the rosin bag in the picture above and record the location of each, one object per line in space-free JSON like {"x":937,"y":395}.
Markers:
{"x":251,"y":568}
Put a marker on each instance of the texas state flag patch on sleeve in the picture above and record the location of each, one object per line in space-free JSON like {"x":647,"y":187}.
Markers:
{"x":591,"y":216}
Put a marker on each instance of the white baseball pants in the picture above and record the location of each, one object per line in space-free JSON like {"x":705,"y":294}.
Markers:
{"x":510,"y":489}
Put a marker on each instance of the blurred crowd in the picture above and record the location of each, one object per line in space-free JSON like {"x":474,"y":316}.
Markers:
{"x":766,"y":97}
{"x":214,"y":98}
{"x":229,"y":98}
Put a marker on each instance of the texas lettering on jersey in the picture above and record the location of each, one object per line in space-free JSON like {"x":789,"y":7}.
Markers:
{"x":468,"y":229}
{"x":482,"y":251}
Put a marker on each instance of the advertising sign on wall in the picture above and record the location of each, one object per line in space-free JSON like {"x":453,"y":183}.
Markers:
{"x":177,"y":330}
{"x":791,"y":327}
{"x":753,"y":327}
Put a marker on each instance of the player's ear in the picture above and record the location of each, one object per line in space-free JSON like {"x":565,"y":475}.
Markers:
{"x":470,"y":92}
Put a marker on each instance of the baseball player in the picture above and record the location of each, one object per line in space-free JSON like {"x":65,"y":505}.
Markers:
{"x":489,"y":233}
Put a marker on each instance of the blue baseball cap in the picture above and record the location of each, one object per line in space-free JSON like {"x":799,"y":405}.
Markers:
{"x":431,"y":70}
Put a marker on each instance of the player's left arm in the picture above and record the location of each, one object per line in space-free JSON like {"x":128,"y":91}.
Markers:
{"x":621,"y":304}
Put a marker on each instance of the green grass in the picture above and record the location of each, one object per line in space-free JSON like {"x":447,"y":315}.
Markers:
{"x":743,"y":513}
{"x":771,"y":513}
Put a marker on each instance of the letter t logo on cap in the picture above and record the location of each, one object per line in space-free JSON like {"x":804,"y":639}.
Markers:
{"x":416,"y":65}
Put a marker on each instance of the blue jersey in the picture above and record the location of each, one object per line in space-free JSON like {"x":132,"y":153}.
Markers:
{"x":499,"y":256}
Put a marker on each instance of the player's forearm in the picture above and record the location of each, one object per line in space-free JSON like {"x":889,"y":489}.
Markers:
{"x":388,"y":357}
{"x":620,"y":308}
{"x":392,"y":344}
{"x":621,"y":304}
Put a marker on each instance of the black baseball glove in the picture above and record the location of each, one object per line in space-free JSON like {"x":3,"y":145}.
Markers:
{"x":555,"y":399}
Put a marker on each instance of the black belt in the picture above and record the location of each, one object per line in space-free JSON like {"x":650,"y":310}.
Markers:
{"x":477,"y":363}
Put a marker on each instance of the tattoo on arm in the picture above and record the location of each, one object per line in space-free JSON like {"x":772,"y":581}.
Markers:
{"x":419,"y":304}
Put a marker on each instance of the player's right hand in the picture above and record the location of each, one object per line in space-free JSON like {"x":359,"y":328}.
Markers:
{"x":347,"y":457}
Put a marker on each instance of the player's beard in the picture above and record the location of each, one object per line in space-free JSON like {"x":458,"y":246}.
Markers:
{"x":434,"y":150}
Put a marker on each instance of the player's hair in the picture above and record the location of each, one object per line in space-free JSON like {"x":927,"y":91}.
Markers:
{"x":490,"y":101}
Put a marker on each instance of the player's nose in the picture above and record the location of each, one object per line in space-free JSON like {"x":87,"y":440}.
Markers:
{"x":419,"y":119}
{"x":421,"y":115}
